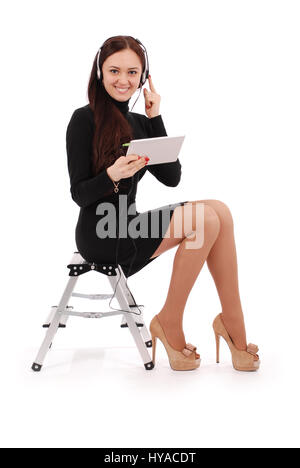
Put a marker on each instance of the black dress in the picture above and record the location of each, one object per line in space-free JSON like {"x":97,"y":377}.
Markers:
{"x":92,"y":192}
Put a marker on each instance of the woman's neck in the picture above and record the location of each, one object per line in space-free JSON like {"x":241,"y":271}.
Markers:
{"x":123,"y":106}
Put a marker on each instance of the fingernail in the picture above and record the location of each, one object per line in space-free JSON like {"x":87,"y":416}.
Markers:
{"x":147,"y":159}
{"x":139,"y":157}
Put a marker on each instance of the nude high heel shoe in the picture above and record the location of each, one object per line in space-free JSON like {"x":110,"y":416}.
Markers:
{"x":241,"y":360}
{"x":187,"y":359}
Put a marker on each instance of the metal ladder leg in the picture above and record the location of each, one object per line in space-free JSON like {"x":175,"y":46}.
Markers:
{"x":38,"y":363}
{"x":125,"y":299}
{"x":139,"y":320}
{"x":63,"y":321}
{"x":145,"y":333}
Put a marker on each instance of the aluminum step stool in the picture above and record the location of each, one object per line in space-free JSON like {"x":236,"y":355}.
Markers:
{"x":59,"y":314}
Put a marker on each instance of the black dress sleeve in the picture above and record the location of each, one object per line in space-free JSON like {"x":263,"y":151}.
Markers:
{"x":167,"y":173}
{"x":86,"y":189}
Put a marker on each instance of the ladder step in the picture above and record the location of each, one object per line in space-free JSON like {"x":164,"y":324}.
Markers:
{"x":93,"y":296}
{"x":124,"y":325}
{"x":61,"y":325}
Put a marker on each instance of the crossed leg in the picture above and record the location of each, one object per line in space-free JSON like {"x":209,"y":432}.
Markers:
{"x":219,"y":251}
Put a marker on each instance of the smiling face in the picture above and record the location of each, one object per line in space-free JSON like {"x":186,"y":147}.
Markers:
{"x":121,"y":73}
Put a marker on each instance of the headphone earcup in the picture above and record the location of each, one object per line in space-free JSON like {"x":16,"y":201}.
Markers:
{"x":144,"y":77}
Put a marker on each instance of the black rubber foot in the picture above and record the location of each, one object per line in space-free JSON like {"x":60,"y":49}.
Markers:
{"x":149,"y":366}
{"x":124,"y":325}
{"x":36,"y":367}
{"x":149,"y":344}
{"x":47,"y":325}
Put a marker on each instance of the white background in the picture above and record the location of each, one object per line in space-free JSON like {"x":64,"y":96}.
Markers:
{"x":228,"y":75}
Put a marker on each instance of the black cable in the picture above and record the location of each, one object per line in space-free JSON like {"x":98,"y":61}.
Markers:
{"x":116,"y":262}
{"x":143,"y":81}
{"x":117,"y":249}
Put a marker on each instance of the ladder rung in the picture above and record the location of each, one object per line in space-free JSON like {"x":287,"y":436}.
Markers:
{"x":93,"y":296}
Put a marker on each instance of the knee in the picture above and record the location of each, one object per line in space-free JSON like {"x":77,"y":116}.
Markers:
{"x":223,"y":212}
{"x":200,"y":216}
{"x":212,"y":224}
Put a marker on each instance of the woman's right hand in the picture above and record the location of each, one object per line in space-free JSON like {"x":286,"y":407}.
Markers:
{"x":126,"y":166}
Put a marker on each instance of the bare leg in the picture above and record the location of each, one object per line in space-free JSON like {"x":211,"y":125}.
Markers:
{"x":186,"y":268}
{"x":222,"y":264}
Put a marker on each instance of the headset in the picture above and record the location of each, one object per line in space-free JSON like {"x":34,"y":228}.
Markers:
{"x":145,"y":72}
{"x":143,"y":80}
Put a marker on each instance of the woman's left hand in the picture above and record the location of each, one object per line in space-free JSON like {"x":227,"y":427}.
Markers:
{"x":152,"y":100}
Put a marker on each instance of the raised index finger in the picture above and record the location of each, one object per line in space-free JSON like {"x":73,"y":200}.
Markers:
{"x":151,"y":84}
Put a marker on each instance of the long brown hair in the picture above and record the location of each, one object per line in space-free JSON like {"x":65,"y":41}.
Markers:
{"x":111,"y":127}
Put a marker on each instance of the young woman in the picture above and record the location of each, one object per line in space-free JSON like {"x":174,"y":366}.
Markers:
{"x":101,"y":172}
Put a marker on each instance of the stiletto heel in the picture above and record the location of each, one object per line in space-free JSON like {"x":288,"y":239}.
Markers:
{"x":187,"y":359}
{"x":217,"y":347}
{"x":247,"y":361}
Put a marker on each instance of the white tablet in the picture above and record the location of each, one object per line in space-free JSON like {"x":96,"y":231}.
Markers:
{"x":159,"y":149}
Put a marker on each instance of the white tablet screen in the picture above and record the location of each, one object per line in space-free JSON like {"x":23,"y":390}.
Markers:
{"x":159,"y":150}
